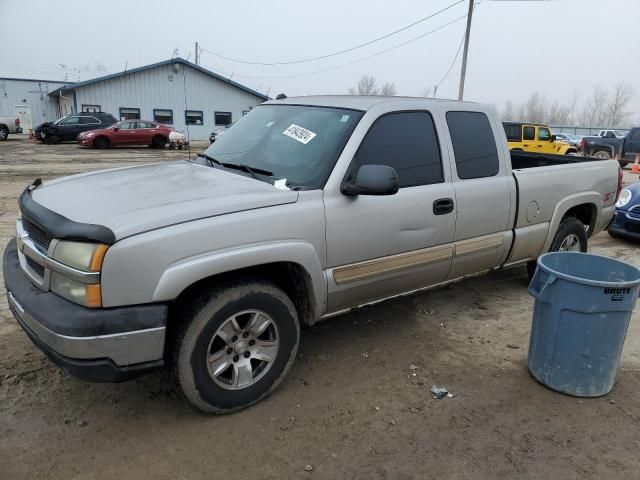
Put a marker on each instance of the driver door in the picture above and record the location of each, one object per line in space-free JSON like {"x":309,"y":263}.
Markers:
{"x":380,"y":246}
{"x":125,"y":134}
{"x":544,"y":143}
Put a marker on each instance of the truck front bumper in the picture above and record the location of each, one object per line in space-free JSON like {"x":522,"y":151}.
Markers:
{"x":99,"y":345}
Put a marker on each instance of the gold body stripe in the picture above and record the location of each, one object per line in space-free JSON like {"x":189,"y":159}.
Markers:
{"x":383,"y":265}
{"x":414,"y":258}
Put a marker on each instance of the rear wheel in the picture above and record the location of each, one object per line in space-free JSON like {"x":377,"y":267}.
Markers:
{"x":101,"y":142}
{"x":570,"y":237}
{"x":602,"y":155}
{"x":52,"y":140}
{"x":158,"y":142}
{"x":234,"y":345}
{"x":4,"y":133}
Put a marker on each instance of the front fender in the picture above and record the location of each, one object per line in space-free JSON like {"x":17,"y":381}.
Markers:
{"x":185,"y":272}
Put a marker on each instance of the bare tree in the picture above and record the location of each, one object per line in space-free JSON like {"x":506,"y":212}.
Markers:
{"x":535,"y":108}
{"x":594,"y":111}
{"x":509,"y":111}
{"x":618,"y":102}
{"x":388,"y":89}
{"x":558,"y":114}
{"x":572,"y":106}
{"x":366,"y":86}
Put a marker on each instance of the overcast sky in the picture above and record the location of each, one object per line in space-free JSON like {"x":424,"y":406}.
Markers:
{"x":517,"y":47}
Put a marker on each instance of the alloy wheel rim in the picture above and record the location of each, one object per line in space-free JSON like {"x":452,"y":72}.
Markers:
{"x":570,"y":244}
{"x":242,"y":350}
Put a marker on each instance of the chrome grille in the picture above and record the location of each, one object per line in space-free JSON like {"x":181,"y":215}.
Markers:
{"x":635,"y":209}
{"x":37,"y":235}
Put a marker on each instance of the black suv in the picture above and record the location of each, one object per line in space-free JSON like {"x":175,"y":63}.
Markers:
{"x":66,"y":129}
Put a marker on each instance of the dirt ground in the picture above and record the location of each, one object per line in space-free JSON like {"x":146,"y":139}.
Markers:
{"x":356,"y":404}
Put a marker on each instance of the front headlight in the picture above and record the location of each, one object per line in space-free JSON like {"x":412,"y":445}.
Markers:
{"x":624,"y":198}
{"x":81,"y":255}
{"x":84,"y":256}
{"x":88,"y":295}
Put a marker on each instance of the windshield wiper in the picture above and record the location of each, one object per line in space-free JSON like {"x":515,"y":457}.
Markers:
{"x":237,"y":166}
{"x":211,"y":160}
{"x":250,"y":170}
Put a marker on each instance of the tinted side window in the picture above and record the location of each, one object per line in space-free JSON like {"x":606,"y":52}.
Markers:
{"x":635,"y":135}
{"x":406,"y":141}
{"x":71,"y":121}
{"x":529,"y":133}
{"x":89,"y":121}
{"x":512,"y":131}
{"x":543,"y":134}
{"x":473,"y":144}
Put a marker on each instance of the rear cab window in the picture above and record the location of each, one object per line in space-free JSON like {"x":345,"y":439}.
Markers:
{"x":405,"y":141}
{"x":474,"y":145}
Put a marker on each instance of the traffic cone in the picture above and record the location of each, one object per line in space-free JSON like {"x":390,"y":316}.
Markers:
{"x":635,"y":169}
{"x":32,"y":137}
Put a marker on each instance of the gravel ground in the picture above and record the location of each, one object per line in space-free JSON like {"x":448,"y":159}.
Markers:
{"x":356,"y":404}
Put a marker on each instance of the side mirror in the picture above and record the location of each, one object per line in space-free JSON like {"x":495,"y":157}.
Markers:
{"x":372,"y":180}
{"x":553,"y":138}
{"x":116,"y":129}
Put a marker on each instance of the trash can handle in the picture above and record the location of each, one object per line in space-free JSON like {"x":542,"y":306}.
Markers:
{"x":552,"y":278}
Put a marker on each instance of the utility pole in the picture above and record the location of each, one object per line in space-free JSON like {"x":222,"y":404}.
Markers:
{"x":463,"y":72}
{"x":197,"y":54}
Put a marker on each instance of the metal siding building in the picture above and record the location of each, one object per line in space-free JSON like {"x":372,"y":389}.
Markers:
{"x":27,"y":95}
{"x":162,"y":86}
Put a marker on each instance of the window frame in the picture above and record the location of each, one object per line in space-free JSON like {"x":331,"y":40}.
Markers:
{"x":533,"y":138}
{"x":350,"y":173}
{"x":186,"y":122}
{"x":163,"y":110}
{"x":548,"y":139}
{"x":215,"y":120}
{"x":128,"y":108}
{"x":454,"y":161}
{"x":86,"y":105}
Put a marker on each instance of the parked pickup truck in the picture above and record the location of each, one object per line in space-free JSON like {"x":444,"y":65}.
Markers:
{"x":308,"y":207}
{"x":9,"y":125}
{"x":605,"y":147}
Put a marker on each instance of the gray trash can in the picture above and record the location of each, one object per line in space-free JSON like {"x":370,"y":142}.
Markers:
{"x":583,"y":304}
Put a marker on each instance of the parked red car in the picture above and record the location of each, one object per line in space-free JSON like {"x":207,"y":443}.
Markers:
{"x":128,"y":132}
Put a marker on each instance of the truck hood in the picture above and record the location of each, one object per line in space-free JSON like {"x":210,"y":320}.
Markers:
{"x":132,"y":200}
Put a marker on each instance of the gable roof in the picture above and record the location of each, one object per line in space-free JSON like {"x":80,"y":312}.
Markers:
{"x":171,"y":61}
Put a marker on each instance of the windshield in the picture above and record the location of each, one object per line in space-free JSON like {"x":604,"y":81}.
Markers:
{"x":298,"y":143}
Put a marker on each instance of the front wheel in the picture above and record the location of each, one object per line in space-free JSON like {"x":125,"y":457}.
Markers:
{"x":234,"y":345}
{"x":602,"y":155}
{"x":158,"y":142}
{"x":570,"y":237}
{"x":4,"y":133}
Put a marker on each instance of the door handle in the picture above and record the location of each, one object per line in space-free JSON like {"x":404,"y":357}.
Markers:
{"x":443,"y":206}
{"x":526,"y":145}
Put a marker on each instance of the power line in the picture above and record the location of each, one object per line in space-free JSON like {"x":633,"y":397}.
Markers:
{"x":353,"y":61}
{"x":350,"y":49}
{"x":453,"y":62}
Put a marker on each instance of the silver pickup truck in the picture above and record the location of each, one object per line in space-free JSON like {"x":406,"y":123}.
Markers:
{"x":9,"y":124}
{"x":306,"y":208}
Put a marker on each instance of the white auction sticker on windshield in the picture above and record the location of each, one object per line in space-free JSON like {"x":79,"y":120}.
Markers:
{"x":299,"y":133}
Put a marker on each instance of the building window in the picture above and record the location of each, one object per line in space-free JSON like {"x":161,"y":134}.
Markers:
{"x":163,"y":116}
{"x":223,"y":118}
{"x":129,"y":113}
{"x":91,"y":108}
{"x":193,"y":117}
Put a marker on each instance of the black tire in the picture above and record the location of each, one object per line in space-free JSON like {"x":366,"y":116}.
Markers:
{"x":52,"y":140}
{"x":4,"y":133}
{"x":198,"y":328}
{"x":570,"y":226}
{"x":101,"y":142}
{"x":158,"y":141}
{"x":602,"y":155}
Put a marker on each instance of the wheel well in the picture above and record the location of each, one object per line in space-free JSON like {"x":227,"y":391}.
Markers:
{"x":291,"y":277}
{"x":586,"y":213}
{"x":3,"y":125}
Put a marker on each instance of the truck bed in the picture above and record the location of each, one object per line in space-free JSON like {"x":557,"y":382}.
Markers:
{"x":522,"y":160}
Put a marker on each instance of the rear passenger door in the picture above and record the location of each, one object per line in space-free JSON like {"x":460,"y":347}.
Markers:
{"x":632,"y":142}
{"x":379,"y":246}
{"x":483,"y":194}
{"x":529,"y":139}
